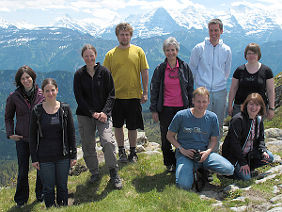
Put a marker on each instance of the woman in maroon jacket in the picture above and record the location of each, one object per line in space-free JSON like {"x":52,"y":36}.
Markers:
{"x":21,"y":103}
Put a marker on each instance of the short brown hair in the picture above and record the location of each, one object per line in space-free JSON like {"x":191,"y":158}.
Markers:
{"x":48,"y":81}
{"x":21,"y":71}
{"x":88,"y":46}
{"x":202,"y":91}
{"x":216,"y":21}
{"x":124,"y":27}
{"x":257,"y":99}
{"x":254,"y":47}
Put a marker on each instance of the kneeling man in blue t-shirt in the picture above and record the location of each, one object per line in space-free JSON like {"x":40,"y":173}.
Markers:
{"x":196,"y":129}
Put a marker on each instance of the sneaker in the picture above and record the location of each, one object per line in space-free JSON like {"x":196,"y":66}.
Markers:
{"x":20,"y":204}
{"x":94,"y":178}
{"x":115,"y":179}
{"x":122,"y":157}
{"x":171,"y":168}
{"x":133,"y":158}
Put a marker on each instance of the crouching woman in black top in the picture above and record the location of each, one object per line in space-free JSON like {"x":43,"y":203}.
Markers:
{"x":244,"y":144}
{"x":52,"y":144}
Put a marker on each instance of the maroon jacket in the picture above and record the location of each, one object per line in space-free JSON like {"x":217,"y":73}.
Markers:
{"x":16,"y":103}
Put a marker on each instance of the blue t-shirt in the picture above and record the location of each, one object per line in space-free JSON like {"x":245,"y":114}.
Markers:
{"x":192,"y":132}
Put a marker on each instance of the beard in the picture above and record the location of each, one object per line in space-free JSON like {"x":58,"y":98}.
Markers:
{"x":124,"y":43}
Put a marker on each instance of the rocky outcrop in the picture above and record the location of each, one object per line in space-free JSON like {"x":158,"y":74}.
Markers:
{"x":210,"y":191}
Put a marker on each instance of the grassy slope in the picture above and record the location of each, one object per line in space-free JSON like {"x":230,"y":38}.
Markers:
{"x":147,"y":187}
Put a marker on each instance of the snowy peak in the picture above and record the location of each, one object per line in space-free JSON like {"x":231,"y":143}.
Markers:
{"x":253,"y":19}
{"x":244,"y":18}
{"x":68,"y":22}
{"x":155,"y":23}
{"x":4,"y":23}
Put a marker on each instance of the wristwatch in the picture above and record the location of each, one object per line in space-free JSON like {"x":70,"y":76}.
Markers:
{"x":179,"y":148}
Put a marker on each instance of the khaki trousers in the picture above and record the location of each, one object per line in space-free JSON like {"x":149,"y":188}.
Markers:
{"x":87,"y":129}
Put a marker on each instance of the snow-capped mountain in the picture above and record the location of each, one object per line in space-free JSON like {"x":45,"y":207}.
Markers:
{"x":57,"y":47}
{"x":249,"y":20}
{"x":68,"y":22}
{"x":4,"y":23}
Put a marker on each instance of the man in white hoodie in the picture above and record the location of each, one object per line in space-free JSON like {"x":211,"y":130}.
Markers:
{"x":210,"y":63}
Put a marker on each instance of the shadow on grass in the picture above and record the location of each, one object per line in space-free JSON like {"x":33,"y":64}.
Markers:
{"x":26,"y":208}
{"x":89,"y":192}
{"x":158,"y":182}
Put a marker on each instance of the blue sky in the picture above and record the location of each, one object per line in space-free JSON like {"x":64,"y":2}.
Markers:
{"x":43,"y":13}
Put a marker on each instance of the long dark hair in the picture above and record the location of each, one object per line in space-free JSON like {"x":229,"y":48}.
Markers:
{"x":21,"y":71}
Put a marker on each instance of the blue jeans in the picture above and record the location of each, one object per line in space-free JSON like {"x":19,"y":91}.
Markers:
{"x":55,"y":173}
{"x":184,"y":168}
{"x":22,"y":191}
{"x":255,"y":163}
{"x":218,"y":106}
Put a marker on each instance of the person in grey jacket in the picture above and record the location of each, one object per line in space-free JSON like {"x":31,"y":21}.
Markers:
{"x":171,"y":90}
{"x":20,"y":103}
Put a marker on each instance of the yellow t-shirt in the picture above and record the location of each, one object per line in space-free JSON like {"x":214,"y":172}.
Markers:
{"x":126,"y":66}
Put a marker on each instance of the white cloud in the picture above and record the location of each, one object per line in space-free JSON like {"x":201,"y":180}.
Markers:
{"x":105,"y":11}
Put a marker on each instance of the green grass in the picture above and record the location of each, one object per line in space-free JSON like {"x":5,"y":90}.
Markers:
{"x":147,"y":187}
{"x":276,"y":122}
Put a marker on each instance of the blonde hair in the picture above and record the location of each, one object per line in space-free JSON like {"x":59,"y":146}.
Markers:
{"x":202,"y":91}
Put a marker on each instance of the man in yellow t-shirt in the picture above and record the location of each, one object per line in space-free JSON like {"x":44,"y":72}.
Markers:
{"x":126,"y":62}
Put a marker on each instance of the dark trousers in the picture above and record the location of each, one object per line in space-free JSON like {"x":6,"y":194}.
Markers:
{"x":165,"y":118}
{"x":55,"y":174}
{"x":22,"y":190}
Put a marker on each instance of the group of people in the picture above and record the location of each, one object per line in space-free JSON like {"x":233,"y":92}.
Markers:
{"x":192,"y":120}
{"x":110,"y":95}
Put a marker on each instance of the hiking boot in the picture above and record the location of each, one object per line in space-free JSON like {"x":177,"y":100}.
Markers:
{"x":206,"y":174}
{"x":40,"y":198}
{"x":133,"y":158}
{"x":199,"y":180}
{"x":20,"y":204}
{"x":122,"y":156}
{"x":115,"y":179}
{"x":94,"y":178}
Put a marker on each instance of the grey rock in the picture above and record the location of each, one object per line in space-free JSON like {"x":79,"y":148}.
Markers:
{"x":242,"y":199}
{"x":277,"y":158}
{"x":276,"y":209}
{"x":246,"y":189}
{"x":152,"y":152}
{"x":266,"y":178}
{"x":276,"y":199}
{"x":273,"y":132}
{"x":217,"y":204}
{"x":142,"y":139}
{"x":275,"y":189}
{"x":140,"y":148}
{"x":230,"y":188}
{"x":273,"y":141}
{"x":239,"y":209}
